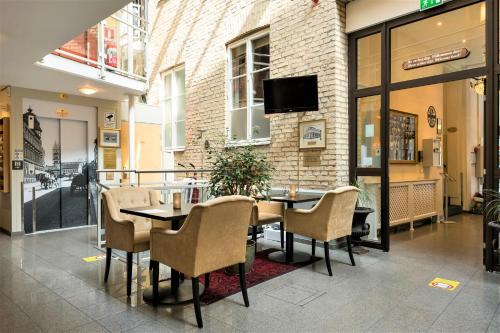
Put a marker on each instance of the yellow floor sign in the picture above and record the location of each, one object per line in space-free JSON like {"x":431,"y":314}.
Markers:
{"x":94,"y":258}
{"x":444,"y":284}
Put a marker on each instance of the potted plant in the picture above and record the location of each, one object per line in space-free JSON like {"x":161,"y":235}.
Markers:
{"x":491,"y":209}
{"x":359,"y":226}
{"x":239,"y":171}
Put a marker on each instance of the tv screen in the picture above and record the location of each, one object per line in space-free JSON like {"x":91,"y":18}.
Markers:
{"x":293,"y":94}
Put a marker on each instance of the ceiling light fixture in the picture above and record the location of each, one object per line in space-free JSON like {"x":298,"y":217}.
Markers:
{"x":464,"y":41}
{"x":87,"y":90}
{"x":439,"y":23}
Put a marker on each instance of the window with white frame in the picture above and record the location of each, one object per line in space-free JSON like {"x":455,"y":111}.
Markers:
{"x":173,"y":109}
{"x":249,"y":61}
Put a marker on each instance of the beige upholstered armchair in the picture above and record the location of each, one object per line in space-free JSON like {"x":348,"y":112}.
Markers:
{"x":212,"y":237}
{"x":125,"y":232}
{"x":267,"y":212}
{"x":330,"y":218}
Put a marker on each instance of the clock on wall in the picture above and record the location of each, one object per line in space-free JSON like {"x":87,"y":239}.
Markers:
{"x":431,"y":116}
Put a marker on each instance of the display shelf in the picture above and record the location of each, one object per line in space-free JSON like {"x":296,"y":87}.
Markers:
{"x":4,"y":155}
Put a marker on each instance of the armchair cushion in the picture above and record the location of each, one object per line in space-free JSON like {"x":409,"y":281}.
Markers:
{"x":266,"y":212}
{"x":330,"y":219}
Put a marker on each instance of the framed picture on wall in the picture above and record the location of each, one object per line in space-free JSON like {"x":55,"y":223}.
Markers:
{"x":403,"y":137}
{"x":109,"y":138}
{"x":312,"y":134}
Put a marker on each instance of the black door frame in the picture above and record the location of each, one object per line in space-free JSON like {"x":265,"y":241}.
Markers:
{"x":491,"y":71}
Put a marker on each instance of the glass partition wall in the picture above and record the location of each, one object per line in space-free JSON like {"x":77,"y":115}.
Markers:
{"x":455,"y":41}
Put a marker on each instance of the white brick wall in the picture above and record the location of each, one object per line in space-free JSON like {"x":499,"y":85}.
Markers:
{"x":304,"y":40}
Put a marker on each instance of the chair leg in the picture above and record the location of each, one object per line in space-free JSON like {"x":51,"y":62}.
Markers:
{"x":243,"y":283}
{"x":282,"y":236}
{"x":156,"y":279}
{"x":313,"y":247}
{"x":129,"y":273}
{"x":254,"y":236}
{"x":207,"y":280}
{"x":196,"y":301}
{"x":349,"y":248}
{"x":327,"y":258}
{"x":108,"y":263}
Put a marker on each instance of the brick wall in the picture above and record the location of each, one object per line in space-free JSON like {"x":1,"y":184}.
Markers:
{"x":304,"y":40}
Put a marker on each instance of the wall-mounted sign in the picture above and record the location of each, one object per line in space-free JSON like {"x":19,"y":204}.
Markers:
{"x":17,"y":165}
{"x":109,"y":158}
{"x":18,"y":155}
{"x":428,"y":4}
{"x":110,"y":120}
{"x":436,"y":58}
{"x":312,"y":158}
{"x":17,"y":159}
{"x":62,"y":113}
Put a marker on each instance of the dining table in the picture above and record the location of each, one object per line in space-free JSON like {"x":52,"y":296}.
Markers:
{"x":290,"y":255}
{"x":171,"y":291}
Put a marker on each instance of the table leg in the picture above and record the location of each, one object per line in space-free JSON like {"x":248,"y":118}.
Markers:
{"x":290,"y":256}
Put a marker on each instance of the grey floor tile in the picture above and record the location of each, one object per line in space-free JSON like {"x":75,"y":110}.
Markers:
{"x":123,"y":321}
{"x":58,"y":316}
{"x":104,"y":309}
{"x":150,"y":327}
{"x":91,"y":327}
{"x":404,"y":318}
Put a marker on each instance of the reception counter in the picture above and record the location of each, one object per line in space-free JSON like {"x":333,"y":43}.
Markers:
{"x":410,"y":200}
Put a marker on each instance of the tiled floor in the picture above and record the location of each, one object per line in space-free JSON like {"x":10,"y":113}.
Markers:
{"x":46,"y":286}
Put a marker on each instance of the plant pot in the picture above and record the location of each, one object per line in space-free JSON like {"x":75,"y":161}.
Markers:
{"x":359,"y":226}
{"x":250,"y":258}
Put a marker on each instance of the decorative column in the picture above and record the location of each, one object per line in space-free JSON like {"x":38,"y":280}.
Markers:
{"x":131,"y":137}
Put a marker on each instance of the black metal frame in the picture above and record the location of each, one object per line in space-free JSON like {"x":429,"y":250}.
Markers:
{"x":491,"y":71}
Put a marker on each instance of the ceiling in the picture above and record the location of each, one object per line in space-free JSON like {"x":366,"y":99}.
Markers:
{"x":31,"y":29}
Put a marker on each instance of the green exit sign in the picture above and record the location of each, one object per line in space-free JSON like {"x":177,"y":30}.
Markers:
{"x":427,"y":4}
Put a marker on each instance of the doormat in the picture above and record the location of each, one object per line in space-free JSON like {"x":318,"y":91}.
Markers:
{"x":223,"y":285}
{"x":449,"y":285}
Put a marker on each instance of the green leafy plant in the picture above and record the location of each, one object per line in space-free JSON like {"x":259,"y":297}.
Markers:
{"x":239,"y":170}
{"x":364,"y":197}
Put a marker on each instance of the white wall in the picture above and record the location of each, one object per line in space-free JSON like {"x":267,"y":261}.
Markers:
{"x":365,"y":13}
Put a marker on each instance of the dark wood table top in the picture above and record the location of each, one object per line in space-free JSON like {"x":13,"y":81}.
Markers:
{"x":160,"y":212}
{"x":298,"y":198}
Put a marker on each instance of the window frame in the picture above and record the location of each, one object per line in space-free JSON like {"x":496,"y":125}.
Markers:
{"x":173,"y":107}
{"x":249,"y":72}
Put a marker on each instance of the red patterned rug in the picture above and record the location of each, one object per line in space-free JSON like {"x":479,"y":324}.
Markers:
{"x":223,"y":285}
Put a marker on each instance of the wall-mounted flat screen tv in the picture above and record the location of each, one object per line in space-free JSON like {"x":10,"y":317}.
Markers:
{"x":291,"y":94}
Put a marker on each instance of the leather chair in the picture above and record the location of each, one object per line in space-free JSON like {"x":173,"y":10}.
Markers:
{"x":267,"y":212}
{"x":213,"y":236}
{"x":126,"y":232}
{"x":329,"y":219}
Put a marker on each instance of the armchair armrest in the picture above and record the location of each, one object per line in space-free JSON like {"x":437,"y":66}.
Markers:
{"x":305,"y":222}
{"x":173,"y":248}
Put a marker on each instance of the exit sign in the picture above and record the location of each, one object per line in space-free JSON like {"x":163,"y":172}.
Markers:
{"x":427,"y":4}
